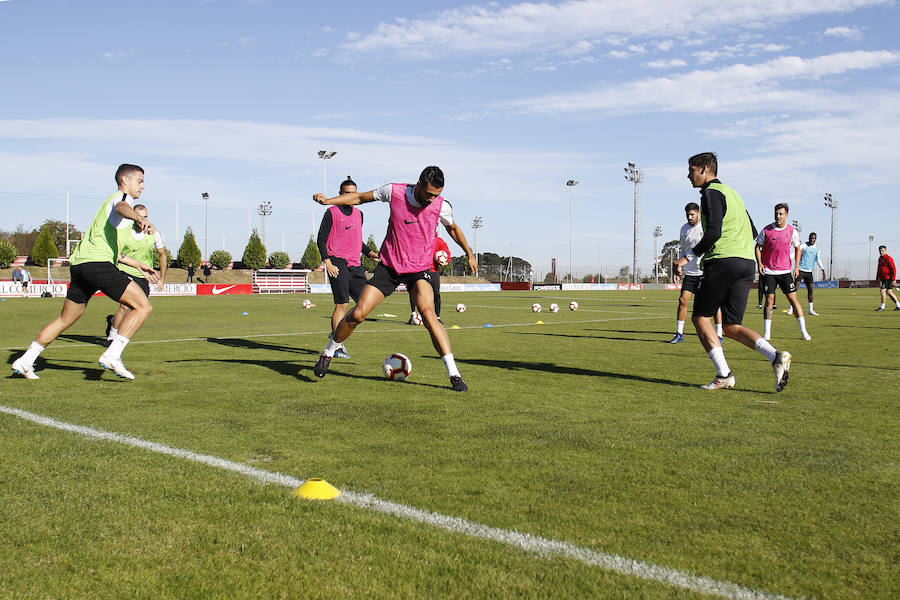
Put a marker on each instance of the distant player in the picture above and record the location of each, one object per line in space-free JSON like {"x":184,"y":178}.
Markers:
{"x":439,"y":246}
{"x":340,"y":245}
{"x":809,"y":258}
{"x":886,"y":274}
{"x":728,"y":268}
{"x":691,"y":234}
{"x":773,"y":255}
{"x":136,"y":254}
{"x":406,"y":257}
{"x":93,"y":267}
{"x":26,"y":279}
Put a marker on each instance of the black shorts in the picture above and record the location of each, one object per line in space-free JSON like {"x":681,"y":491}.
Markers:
{"x":89,"y":277}
{"x":886,"y":284}
{"x":785,"y":281}
{"x":725,"y":284}
{"x":691,"y":283}
{"x":142,"y":283}
{"x":386,"y":280}
{"x":807,"y":278}
{"x":348,"y":284}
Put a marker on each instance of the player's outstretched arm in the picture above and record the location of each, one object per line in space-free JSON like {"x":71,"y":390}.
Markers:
{"x":125,"y":209}
{"x":149,"y":272}
{"x":351,"y":199}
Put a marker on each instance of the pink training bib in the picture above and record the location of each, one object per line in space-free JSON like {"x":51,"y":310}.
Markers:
{"x":776,"y":251}
{"x":409,"y":244}
{"x":345,"y":238}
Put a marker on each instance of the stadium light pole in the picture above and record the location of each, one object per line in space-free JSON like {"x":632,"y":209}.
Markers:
{"x":477,"y":223}
{"x":571,"y":184}
{"x":264,"y":210}
{"x":796,"y":225}
{"x":831,"y":203}
{"x":205,"y":197}
{"x":325,"y":155}
{"x":635,"y":175}
{"x":657,"y":232}
{"x":869,"y":271}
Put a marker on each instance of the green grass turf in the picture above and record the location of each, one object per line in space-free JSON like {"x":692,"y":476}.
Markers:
{"x":588,"y":429}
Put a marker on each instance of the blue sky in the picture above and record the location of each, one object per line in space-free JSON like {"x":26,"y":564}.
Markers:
{"x":235,"y":97}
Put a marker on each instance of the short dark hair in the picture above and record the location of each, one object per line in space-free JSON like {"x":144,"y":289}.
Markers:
{"x":812,"y":233}
{"x":125,"y":170}
{"x":880,"y":248}
{"x":691,"y":206}
{"x":705,"y":159}
{"x":782,"y":205}
{"x":348,"y":181}
{"x":432,"y":176}
{"x":137,"y":206}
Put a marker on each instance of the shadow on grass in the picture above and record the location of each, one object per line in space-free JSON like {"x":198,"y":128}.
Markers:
{"x":91,"y":373}
{"x":256,"y":345}
{"x":85,"y":339}
{"x":598,"y":337}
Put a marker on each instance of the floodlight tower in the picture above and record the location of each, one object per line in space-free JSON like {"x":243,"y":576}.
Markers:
{"x":831,"y":203}
{"x":635,"y":175}
{"x":264,"y":210}
{"x":571,"y":184}
{"x":797,"y":226}
{"x":657,"y":232}
{"x":871,"y":239}
{"x":477,"y":223}
{"x":205,"y":198}
{"x":325,"y":155}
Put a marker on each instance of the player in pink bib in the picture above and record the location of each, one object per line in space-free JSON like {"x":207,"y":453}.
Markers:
{"x":773,"y":257}
{"x":406,"y":257}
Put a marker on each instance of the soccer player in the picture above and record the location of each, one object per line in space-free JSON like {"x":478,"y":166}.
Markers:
{"x":773,"y":255}
{"x":136,"y":250}
{"x":809,"y":258}
{"x":691,"y":234}
{"x":340,"y":245}
{"x":93,"y":267}
{"x":886,"y":274}
{"x":435,"y":273}
{"x":728,"y":269}
{"x":406,"y":256}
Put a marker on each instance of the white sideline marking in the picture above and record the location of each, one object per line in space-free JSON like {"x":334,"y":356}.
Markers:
{"x":530,"y":543}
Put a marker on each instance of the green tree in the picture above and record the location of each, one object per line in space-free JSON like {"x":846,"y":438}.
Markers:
{"x":279,"y":260}
{"x":220,"y":259}
{"x":169,"y":259}
{"x":625,"y":273}
{"x":8,"y":253}
{"x":670,"y":252}
{"x":189,"y":251}
{"x":369,"y":263}
{"x":44,"y":247}
{"x":255,"y":253}
{"x":57,"y":231}
{"x":311,"y":258}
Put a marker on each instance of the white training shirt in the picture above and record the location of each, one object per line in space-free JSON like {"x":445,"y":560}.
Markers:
{"x":687,"y":239}
{"x":795,"y":241}
{"x":383,"y":194}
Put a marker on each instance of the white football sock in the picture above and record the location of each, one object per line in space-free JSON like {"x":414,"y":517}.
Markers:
{"x":679,"y":326}
{"x":801,"y":321}
{"x":766,"y":349}
{"x":882,"y":305}
{"x":768,"y":324}
{"x":31,"y":354}
{"x":113,"y":332}
{"x":719,"y":329}
{"x":810,"y":307}
{"x":450,"y":364}
{"x":717,"y":355}
{"x":117,"y":346}
{"x":332,"y":347}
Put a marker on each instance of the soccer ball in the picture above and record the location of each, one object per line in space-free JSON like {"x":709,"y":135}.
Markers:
{"x":397,"y":367}
{"x":554,"y":307}
{"x":573,"y":305}
{"x":536,"y":307}
{"x":416,"y":318}
{"x":441,"y":257}
{"x":307,"y":303}
{"x":460,"y":307}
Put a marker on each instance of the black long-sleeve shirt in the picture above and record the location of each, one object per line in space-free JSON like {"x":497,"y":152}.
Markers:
{"x":325,"y":230}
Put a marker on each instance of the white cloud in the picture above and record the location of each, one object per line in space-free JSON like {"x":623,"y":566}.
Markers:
{"x":665,"y":64}
{"x":849,"y":33}
{"x":533,"y":27}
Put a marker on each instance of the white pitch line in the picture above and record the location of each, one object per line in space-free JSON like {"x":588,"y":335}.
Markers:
{"x":530,"y":543}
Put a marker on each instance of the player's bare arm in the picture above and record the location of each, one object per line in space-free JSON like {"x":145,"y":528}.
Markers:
{"x":351,"y":199}
{"x":149,"y":272}
{"x":163,"y":259}
{"x":759,"y":265}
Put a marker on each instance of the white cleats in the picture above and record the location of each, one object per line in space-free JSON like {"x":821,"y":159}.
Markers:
{"x":116,"y":366}
{"x":782,"y":366}
{"x":720,"y":382}
{"x":767,"y":337}
{"x":806,"y":336}
{"x":814,"y":313}
{"x":20,"y":368}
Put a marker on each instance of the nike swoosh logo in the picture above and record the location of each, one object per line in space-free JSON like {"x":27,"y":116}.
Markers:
{"x":217,"y":290}
{"x":409,"y":222}
{"x":348,"y":226}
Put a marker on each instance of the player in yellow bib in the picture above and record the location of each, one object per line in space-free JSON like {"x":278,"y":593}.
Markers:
{"x":136,"y":253}
{"x":93,"y":268}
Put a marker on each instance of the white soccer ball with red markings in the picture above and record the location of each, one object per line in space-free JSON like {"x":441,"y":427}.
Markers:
{"x":460,"y":307}
{"x":397,"y":367}
{"x":416,"y":318}
{"x":536,"y":307}
{"x":573,"y":305}
{"x":441,"y":257}
{"x":307,"y":303}
{"x":553,"y":307}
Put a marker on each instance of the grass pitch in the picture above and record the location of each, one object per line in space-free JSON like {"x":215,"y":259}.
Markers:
{"x":588,"y":429}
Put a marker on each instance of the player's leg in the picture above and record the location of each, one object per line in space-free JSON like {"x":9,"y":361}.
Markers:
{"x":798,"y":313}
{"x":707,"y":301}
{"x":339,"y":311}
{"x":117,"y":319}
{"x":718,"y":322}
{"x":424,"y":299}
{"x":684,"y":297}
{"x":890,"y":292}
{"x":769,"y":289}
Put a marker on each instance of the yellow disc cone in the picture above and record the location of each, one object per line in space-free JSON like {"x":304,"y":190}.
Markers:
{"x":455,"y":327}
{"x":539,"y":322}
{"x":317,"y":489}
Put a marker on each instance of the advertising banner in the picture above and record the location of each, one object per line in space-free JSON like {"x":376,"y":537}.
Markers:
{"x":14,"y":288}
{"x":213,"y":289}
{"x":175,"y":289}
{"x":544,"y":287}
{"x":630,"y":286}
